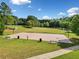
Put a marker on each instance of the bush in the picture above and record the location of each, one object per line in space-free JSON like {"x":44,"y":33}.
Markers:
{"x":1,"y":26}
{"x":27,"y":26}
{"x":1,"y":29}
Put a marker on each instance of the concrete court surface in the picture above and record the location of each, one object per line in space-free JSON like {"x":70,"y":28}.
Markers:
{"x":44,"y":36}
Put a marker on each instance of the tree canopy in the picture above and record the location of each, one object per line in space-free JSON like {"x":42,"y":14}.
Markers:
{"x":75,"y":24}
{"x":6,"y":17}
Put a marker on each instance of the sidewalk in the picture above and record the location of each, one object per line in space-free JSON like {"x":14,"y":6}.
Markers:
{"x":55,"y":53}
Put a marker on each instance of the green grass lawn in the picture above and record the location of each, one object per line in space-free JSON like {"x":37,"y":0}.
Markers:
{"x":37,"y":30}
{"x":20,"y":29}
{"x":72,"y":55}
{"x":21,"y":49}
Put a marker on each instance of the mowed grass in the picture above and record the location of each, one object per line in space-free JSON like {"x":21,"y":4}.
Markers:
{"x":20,"y":29}
{"x":21,"y":49}
{"x":72,"y":55}
{"x":34,"y":30}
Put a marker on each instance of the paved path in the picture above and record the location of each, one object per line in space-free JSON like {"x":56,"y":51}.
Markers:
{"x":45,"y":37}
{"x":55,"y":53}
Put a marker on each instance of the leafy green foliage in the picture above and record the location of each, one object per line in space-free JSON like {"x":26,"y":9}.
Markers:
{"x":54,"y":23}
{"x":69,"y":23}
{"x":5,"y":10}
{"x":1,"y":26}
{"x":75,"y":24}
{"x":29,"y":24}
{"x":32,"y":21}
{"x":46,"y":24}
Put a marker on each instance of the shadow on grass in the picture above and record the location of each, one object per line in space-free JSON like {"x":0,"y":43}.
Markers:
{"x":75,"y":41}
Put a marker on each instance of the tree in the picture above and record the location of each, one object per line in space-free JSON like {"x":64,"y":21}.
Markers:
{"x":41,"y":24}
{"x":5,"y":11}
{"x":75,"y":24}
{"x":1,"y":25}
{"x":10,"y":20}
{"x":46,"y":24}
{"x":29,"y":24}
{"x":64,"y":24}
{"x":34,"y":21}
{"x":21,"y":21}
{"x":54,"y":23}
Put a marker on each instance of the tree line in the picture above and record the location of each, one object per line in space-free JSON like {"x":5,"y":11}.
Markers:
{"x":6,"y":18}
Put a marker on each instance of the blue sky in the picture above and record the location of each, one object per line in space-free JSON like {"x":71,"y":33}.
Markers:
{"x":43,"y":8}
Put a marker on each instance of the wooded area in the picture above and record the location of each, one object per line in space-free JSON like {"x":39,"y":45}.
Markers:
{"x":6,"y":18}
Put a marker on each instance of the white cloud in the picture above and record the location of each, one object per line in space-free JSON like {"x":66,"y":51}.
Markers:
{"x":20,"y":2}
{"x":46,"y":17}
{"x":13,"y":10}
{"x":39,"y":9}
{"x":29,"y":6}
{"x":61,"y":14}
{"x":73,"y":11}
